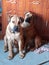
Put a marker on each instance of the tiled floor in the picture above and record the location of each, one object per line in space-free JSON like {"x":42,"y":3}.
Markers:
{"x":31,"y":58}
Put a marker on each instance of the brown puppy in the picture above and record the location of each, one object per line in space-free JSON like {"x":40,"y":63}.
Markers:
{"x":29,"y":30}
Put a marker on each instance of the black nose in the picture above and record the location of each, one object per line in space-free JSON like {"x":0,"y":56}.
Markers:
{"x":16,"y":29}
{"x":28,"y":19}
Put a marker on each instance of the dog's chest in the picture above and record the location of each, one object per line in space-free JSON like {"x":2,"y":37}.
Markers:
{"x":17,"y":36}
{"x":29,"y":32}
{"x":14,"y":36}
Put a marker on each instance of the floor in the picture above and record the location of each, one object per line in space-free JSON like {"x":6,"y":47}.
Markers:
{"x":31,"y":58}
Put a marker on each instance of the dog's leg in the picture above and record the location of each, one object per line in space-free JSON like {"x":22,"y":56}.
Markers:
{"x":20,"y":49}
{"x":5,"y":44}
{"x":16,"y":46}
{"x":37,"y":42}
{"x":10,"y":49}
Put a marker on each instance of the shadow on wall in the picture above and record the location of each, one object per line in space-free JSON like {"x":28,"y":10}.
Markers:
{"x":41,"y":26}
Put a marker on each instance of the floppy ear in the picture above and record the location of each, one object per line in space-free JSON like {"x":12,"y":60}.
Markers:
{"x":27,"y":12}
{"x":21,"y":19}
{"x":9,"y":16}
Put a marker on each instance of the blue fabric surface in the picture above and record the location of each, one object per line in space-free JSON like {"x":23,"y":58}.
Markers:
{"x":0,"y":9}
{"x":31,"y":58}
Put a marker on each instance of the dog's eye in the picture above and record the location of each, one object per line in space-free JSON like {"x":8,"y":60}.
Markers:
{"x":27,"y":15}
{"x":13,"y":21}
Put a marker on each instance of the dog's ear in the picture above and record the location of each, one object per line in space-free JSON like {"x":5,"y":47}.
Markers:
{"x":21,"y":19}
{"x":28,"y":14}
{"x":25,"y":12}
{"x":9,"y":16}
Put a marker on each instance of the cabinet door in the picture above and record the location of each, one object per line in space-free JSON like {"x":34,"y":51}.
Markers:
{"x":4,"y":16}
{"x":9,"y":8}
{"x":16,"y":7}
{"x":36,"y":6}
{"x":21,"y":7}
{"x":27,"y":6}
{"x":12,"y":6}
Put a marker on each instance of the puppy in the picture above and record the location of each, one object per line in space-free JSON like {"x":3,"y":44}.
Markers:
{"x":12,"y":34}
{"x":30,"y":32}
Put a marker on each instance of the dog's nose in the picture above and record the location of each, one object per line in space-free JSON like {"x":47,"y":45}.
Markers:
{"x":16,"y":29}
{"x":27,"y":20}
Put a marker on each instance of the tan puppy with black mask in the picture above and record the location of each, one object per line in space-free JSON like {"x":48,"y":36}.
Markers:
{"x":13,"y":33}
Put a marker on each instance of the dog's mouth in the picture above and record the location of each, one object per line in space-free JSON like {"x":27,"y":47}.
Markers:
{"x":26,"y":22}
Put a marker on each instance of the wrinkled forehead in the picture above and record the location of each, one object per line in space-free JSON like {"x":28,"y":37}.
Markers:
{"x":15,"y":18}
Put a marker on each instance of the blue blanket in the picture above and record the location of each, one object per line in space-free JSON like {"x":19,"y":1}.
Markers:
{"x":0,"y":10}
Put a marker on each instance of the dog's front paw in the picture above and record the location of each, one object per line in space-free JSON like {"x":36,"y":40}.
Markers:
{"x":10,"y":57}
{"x":5,"y":49}
{"x":21,"y":55}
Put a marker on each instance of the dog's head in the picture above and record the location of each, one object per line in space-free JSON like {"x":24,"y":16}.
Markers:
{"x":26,"y":23}
{"x":14,"y":23}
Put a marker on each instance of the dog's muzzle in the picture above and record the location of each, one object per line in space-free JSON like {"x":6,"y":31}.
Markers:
{"x":28,"y":19}
{"x":25,"y":24}
{"x":15,"y":29}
